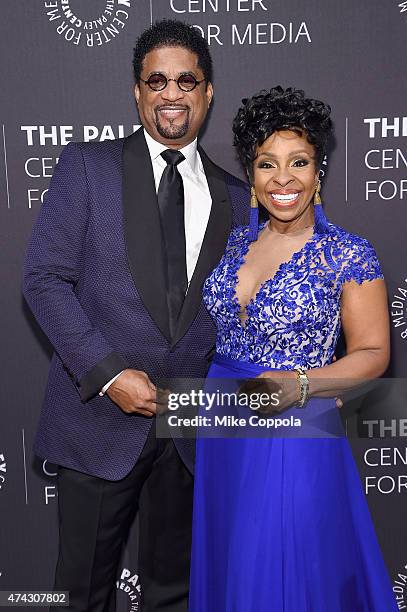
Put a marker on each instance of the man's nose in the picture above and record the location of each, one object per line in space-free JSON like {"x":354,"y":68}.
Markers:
{"x":172,"y":92}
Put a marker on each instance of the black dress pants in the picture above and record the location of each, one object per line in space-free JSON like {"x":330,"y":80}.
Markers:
{"x":94,"y":520}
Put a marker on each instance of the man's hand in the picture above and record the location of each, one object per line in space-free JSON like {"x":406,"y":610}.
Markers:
{"x":134,"y":392}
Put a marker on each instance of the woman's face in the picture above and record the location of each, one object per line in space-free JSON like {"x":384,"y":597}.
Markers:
{"x":285,"y":175}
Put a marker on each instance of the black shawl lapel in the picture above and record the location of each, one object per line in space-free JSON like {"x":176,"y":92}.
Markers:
{"x":213,"y":246}
{"x":142,"y":229}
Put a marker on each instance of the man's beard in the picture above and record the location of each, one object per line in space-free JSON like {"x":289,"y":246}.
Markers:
{"x":172,"y":131}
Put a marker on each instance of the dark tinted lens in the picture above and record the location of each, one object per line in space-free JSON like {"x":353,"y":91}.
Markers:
{"x":187,"y":82}
{"x":157,"y":81}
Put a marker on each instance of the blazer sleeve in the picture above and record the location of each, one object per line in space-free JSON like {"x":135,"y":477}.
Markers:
{"x":239,"y":193}
{"x":51,"y":273}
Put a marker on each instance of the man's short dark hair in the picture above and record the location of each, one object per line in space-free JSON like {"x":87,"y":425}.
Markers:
{"x":172,"y":33}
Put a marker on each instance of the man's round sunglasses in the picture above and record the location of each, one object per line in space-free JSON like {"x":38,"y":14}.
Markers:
{"x":158,"y":81}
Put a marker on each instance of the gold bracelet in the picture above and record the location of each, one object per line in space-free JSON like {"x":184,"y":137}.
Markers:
{"x":303,"y":383}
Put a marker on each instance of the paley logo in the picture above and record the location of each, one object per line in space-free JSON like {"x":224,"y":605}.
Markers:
{"x":398,"y":309}
{"x":129,"y":584}
{"x":3,"y":470}
{"x":107,"y":23}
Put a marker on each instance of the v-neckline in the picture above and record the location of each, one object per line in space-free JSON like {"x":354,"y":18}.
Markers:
{"x":269,"y":281}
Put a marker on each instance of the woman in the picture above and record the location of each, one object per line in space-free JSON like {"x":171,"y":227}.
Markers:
{"x":281,"y":524}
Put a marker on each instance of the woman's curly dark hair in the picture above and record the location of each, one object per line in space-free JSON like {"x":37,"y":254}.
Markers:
{"x":280,"y":109}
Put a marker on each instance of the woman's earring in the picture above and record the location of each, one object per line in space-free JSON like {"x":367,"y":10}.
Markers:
{"x":317,"y":194}
{"x":254,"y":216}
{"x":321,"y":222}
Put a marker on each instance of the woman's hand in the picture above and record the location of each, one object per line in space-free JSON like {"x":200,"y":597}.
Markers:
{"x":283,"y":384}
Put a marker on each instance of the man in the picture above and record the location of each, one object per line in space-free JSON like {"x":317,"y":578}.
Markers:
{"x":123,"y":243}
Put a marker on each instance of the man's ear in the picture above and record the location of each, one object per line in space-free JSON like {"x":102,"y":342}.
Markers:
{"x":209,"y":93}
{"x":137,"y":92}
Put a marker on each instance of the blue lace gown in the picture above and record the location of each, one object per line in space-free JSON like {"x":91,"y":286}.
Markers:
{"x":282,"y":524}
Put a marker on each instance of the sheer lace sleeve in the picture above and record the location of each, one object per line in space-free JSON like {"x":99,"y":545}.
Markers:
{"x":359,"y":261}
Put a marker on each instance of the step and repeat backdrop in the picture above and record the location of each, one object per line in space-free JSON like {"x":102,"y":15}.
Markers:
{"x":66,"y":75}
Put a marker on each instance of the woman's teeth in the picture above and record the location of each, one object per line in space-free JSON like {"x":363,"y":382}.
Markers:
{"x":285,"y":197}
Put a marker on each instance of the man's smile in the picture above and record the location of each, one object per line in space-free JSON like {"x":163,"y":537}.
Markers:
{"x":172,"y":111}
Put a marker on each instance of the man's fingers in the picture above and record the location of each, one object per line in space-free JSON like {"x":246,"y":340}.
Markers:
{"x":162,"y":396}
{"x":149,"y":405}
{"x":149,"y":408}
{"x":148,"y":381}
{"x":143,"y":411}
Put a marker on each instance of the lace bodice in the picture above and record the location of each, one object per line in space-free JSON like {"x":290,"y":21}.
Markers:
{"x":294,"y":319}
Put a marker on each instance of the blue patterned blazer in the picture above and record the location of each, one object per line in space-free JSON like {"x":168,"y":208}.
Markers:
{"x":94,"y":280}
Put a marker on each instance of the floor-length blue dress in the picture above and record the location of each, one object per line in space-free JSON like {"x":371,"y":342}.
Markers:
{"x":282,"y":524}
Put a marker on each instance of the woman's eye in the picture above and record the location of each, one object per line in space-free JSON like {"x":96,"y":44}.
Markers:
{"x":300,"y":163}
{"x":265,"y":164}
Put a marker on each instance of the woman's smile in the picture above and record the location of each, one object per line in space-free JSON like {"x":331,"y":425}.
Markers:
{"x":284,"y":198}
